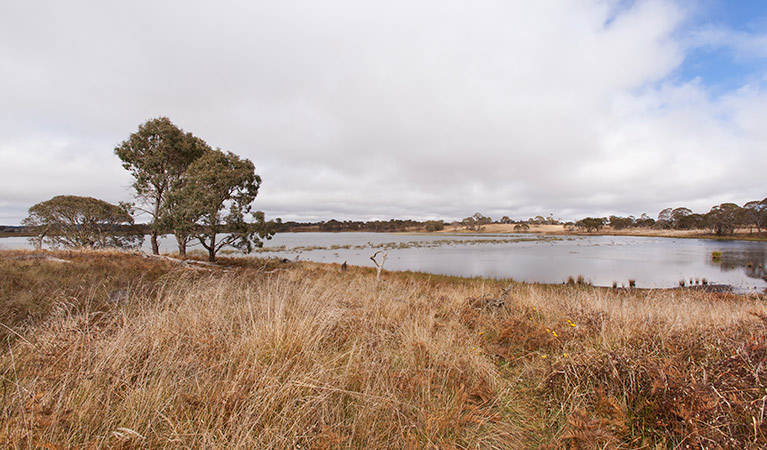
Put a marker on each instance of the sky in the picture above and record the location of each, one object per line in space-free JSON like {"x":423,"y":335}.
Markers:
{"x":424,"y":109}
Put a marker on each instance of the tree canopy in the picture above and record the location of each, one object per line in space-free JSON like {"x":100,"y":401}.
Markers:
{"x":724,"y":218}
{"x":157,"y":155}
{"x":591,"y":223}
{"x":77,"y":222}
{"x":213,"y":197}
{"x":476,"y":221}
{"x":619,"y":223}
{"x":756,"y":214}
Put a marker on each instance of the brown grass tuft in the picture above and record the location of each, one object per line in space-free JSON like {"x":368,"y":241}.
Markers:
{"x":258,"y":354}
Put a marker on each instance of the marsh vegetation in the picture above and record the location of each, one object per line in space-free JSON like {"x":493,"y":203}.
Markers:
{"x":651,"y":262}
{"x":260,"y":354}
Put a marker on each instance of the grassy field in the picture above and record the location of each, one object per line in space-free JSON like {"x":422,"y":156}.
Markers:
{"x":115,"y":350}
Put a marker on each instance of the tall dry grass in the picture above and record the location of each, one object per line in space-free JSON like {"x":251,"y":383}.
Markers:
{"x":301,"y":359}
{"x":33,"y":283}
{"x":312,"y":357}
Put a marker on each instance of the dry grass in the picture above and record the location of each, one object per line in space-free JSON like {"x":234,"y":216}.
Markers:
{"x":30,"y":286}
{"x":312,"y":357}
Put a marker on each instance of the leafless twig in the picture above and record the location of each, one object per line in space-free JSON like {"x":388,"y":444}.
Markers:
{"x":383,"y":260}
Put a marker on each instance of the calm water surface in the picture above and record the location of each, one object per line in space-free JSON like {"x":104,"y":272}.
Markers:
{"x":652,"y":262}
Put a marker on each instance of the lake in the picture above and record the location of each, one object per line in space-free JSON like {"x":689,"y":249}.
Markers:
{"x":602,"y":260}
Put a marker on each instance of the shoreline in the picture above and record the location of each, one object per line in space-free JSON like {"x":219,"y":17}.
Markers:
{"x":559,"y":230}
{"x":52,"y":255}
{"x":459,"y":232}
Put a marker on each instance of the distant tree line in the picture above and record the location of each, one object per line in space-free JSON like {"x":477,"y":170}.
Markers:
{"x":721,"y":220}
{"x":13,"y":229}
{"x":186,"y":187}
{"x":333,"y":225}
{"x":477,"y":222}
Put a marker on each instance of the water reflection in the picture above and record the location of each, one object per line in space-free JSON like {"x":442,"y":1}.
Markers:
{"x":751,"y":261}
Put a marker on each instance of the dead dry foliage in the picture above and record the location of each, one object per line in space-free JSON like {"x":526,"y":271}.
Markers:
{"x":313,"y":357}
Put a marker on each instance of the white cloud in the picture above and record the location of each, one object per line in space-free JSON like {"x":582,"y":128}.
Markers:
{"x":381,"y":109}
{"x":744,"y":45}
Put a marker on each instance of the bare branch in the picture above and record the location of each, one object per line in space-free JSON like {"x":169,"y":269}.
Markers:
{"x":383,"y":260}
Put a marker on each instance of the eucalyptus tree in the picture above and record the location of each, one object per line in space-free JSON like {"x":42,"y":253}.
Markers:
{"x":678,"y":216}
{"x":756,"y":213}
{"x":157,"y":155}
{"x":665,"y":218}
{"x":645,"y":221}
{"x":619,"y":223}
{"x":591,"y":223}
{"x":476,"y":221}
{"x":213,"y":203}
{"x":77,"y":222}
{"x":724,"y":218}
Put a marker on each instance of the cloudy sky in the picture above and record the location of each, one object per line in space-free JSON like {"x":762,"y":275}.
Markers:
{"x":355,"y":109}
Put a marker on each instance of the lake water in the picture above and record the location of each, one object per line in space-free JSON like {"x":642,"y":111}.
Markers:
{"x":652,"y":262}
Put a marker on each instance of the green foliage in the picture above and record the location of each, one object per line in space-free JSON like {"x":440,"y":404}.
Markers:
{"x":620,"y":223}
{"x":724,"y":218}
{"x":476,"y":222}
{"x":521,"y":227}
{"x":157,"y":155}
{"x":645,"y":221}
{"x":332,"y":225}
{"x":214,"y":197}
{"x":591,"y":223}
{"x":690,"y":222}
{"x":76,"y":222}
{"x":756,"y":214}
{"x":434,"y":225}
{"x":665,"y":219}
{"x":481,"y":219}
{"x":678,"y":216}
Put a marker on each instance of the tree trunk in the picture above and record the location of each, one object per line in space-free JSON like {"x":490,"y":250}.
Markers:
{"x":212,"y":249}
{"x":155,"y":245}
{"x":155,"y":218}
{"x":181,"y":246}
